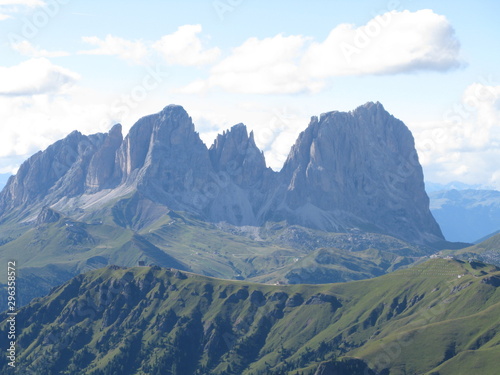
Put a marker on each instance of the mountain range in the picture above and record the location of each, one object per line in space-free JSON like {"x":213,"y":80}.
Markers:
{"x":467,"y":215}
{"x":348,"y":204}
{"x":155,"y":254}
{"x":346,"y":170}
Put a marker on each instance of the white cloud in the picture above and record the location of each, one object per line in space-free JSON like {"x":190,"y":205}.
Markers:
{"x":35,"y":76}
{"x":267,"y":66}
{"x":395,"y":42}
{"x":7,"y":7}
{"x":25,"y":48}
{"x":184,"y":47}
{"x":465,"y":145}
{"x":135,"y":51}
{"x":31,"y":123}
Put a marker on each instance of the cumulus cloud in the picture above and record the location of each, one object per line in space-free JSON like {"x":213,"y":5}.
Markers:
{"x":395,"y":42}
{"x":33,"y":122}
{"x":184,"y":47}
{"x":268,"y":66}
{"x":135,"y":51}
{"x":25,"y":48}
{"x":465,"y":145}
{"x":7,"y":7}
{"x":35,"y":76}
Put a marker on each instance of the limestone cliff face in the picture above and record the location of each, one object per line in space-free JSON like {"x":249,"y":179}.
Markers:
{"x":59,"y":171}
{"x":102,"y":165}
{"x":357,"y":169}
{"x":240,"y":180}
{"x":165,"y":158}
{"x":235,"y":152}
{"x":346,"y":170}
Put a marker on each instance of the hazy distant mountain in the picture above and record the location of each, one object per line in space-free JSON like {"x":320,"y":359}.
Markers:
{"x":466,"y":215}
{"x":431,"y":187}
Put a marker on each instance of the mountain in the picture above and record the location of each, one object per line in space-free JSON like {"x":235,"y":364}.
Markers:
{"x":466,"y":215}
{"x":431,"y":187}
{"x":351,"y":191}
{"x":346,"y":170}
{"x":440,"y":317}
{"x":357,"y":169}
{"x":58,"y":248}
{"x":485,"y":251}
{"x":487,"y":237}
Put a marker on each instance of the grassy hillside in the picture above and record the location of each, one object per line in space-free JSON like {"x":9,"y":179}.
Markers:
{"x":56,"y":248}
{"x":487,"y":251}
{"x":437,"y":317}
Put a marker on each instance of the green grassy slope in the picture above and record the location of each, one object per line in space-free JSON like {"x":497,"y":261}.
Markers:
{"x":437,"y":317}
{"x":50,"y":252}
{"x":486,"y":251}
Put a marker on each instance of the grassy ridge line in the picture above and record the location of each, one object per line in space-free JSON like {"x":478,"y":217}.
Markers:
{"x":439,"y":313}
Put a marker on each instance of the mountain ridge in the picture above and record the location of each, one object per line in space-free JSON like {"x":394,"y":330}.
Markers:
{"x":466,"y":215}
{"x":346,"y":170}
{"x":152,"y":320}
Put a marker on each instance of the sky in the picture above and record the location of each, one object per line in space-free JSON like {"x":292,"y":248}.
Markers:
{"x":87,"y":65}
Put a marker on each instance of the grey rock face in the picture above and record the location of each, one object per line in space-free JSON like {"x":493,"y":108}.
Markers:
{"x":346,"y":170}
{"x":165,"y":159}
{"x":357,"y":169}
{"x":102,"y":165}
{"x":240,"y":179}
{"x":236,"y":153}
{"x":59,"y":171}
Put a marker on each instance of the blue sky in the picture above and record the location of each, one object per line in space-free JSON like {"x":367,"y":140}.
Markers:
{"x":73,"y":64}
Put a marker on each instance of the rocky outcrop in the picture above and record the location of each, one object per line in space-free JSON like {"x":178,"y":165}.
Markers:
{"x":235,"y":153}
{"x":346,"y":170}
{"x":492,"y":280}
{"x":47,"y":216}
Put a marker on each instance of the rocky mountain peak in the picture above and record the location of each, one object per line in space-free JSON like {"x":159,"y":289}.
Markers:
{"x":58,"y":171}
{"x":170,"y":128}
{"x":235,"y":152}
{"x":358,"y":169}
{"x":116,"y":131}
